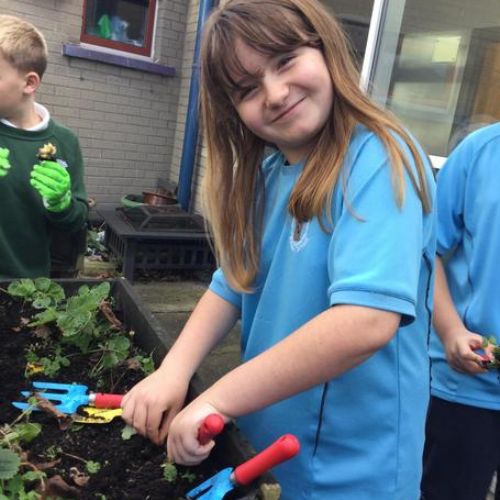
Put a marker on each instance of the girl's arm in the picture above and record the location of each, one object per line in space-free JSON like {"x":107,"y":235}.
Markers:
{"x":151,"y":405}
{"x":212,"y":318}
{"x":458,"y":341}
{"x":327,"y":346}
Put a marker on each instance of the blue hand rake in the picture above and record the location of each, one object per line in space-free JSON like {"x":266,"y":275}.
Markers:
{"x":69,"y":397}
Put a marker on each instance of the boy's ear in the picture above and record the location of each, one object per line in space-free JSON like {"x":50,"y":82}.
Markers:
{"x":32,"y":82}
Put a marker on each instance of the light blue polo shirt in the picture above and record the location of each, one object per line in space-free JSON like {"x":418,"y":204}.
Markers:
{"x":361,"y":433}
{"x":468,"y":204}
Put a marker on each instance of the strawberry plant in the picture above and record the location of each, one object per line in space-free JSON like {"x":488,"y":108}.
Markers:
{"x":17,"y":474}
{"x":84,"y":321}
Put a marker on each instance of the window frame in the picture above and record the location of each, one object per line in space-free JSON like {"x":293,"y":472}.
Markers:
{"x":146,"y":50}
{"x":372,"y":46}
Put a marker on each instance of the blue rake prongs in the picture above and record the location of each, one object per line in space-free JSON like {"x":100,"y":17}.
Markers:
{"x":69,"y":397}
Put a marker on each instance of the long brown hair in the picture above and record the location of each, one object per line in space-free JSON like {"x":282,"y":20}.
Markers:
{"x":233,"y":181}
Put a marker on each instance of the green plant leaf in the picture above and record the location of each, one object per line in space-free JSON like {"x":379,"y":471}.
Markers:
{"x":42,"y":284}
{"x":9,"y":464}
{"x":90,"y":298}
{"x":24,"y":288}
{"x":120,"y":346}
{"x":42,"y":302}
{"x":101,"y":292}
{"x":169,"y":472}
{"x":47,"y":287}
{"x":44,"y":317}
{"x":92,"y":467}
{"x":52,"y":452}
{"x":32,"y":475}
{"x":190,"y":477}
{"x":73,"y":322}
{"x":146,"y":363}
{"x":127,"y":432}
{"x":28,"y":431}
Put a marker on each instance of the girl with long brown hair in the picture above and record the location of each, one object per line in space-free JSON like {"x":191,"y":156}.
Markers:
{"x":326,"y":251}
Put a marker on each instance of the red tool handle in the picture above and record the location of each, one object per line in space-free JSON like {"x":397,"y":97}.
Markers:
{"x":210,"y":427}
{"x":101,"y":400}
{"x":285,"y":447}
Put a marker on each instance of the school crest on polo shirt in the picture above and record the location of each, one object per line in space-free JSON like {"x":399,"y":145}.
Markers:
{"x":298,"y":235}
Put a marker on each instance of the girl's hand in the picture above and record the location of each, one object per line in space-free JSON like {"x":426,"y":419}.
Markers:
{"x":460,"y":352}
{"x":151,"y":405}
{"x":183,"y":446}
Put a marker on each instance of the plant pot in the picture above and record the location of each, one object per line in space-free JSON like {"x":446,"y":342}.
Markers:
{"x":157,"y":198}
{"x":132,"y":200}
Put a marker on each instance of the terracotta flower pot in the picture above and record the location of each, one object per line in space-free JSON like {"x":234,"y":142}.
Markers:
{"x":156,"y":198}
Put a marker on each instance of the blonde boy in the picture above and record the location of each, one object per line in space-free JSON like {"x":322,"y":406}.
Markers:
{"x":38,"y":194}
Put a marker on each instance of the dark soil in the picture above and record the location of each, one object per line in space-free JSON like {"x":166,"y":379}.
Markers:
{"x":130,"y":469}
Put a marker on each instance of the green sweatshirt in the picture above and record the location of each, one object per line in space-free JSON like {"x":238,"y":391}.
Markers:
{"x":25,"y":224}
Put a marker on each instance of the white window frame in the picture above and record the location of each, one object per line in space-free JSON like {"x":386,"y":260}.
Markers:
{"x":377,"y":21}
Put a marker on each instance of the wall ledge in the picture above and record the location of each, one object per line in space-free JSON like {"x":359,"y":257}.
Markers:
{"x":76,"y":50}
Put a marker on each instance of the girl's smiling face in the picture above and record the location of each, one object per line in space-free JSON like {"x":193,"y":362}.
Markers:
{"x":284,"y":99}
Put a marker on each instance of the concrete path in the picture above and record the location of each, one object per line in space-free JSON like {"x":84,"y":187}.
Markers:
{"x":171,"y":302}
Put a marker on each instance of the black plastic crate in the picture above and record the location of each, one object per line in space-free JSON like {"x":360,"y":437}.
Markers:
{"x":159,"y":250}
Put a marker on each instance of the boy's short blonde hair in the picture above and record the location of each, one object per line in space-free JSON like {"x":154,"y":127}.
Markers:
{"x":22,"y":45}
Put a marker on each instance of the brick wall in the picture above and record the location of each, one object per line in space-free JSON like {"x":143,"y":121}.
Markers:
{"x":126,"y":119}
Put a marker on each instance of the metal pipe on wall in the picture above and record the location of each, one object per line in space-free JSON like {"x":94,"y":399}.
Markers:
{"x":190,"y":143}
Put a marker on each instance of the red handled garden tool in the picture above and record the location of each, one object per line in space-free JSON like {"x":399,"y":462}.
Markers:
{"x":69,"y":397}
{"x":210,"y":427}
{"x":217,"y":486}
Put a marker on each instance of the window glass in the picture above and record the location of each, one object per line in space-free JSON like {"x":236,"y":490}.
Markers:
{"x":121,"y":24}
{"x":438,"y":68}
{"x":355,"y":18}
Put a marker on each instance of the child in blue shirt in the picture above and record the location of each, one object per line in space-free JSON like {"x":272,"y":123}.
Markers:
{"x":463,"y":431}
{"x":326,"y":256}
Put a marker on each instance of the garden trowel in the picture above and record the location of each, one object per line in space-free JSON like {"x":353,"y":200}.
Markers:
{"x":92,"y":415}
{"x":217,"y":486}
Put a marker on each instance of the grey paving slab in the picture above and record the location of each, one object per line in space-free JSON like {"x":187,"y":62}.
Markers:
{"x":171,"y":303}
{"x":170,"y":296}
